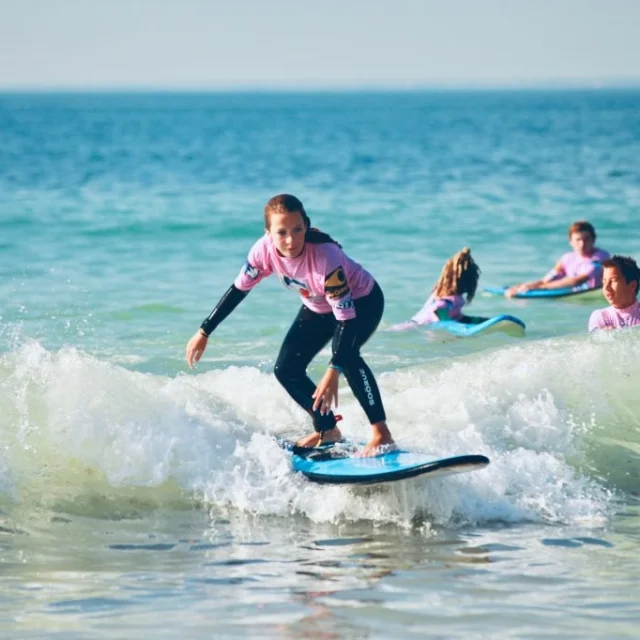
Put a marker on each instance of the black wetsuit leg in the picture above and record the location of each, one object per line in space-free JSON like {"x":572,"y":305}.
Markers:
{"x":360,"y":378}
{"x":308,"y":334}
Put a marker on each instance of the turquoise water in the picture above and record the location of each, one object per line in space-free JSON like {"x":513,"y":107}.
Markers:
{"x":138,"y":498}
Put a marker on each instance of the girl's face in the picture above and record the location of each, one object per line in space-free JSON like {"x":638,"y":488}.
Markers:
{"x":287,"y":232}
{"x":617,"y":291}
{"x":582,"y":243}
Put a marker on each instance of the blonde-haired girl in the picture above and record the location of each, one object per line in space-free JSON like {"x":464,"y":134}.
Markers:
{"x":455,"y":287}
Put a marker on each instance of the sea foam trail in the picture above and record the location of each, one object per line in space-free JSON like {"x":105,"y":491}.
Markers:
{"x":76,"y":427}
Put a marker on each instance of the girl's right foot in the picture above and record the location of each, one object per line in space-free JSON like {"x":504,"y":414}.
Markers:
{"x":326,"y":437}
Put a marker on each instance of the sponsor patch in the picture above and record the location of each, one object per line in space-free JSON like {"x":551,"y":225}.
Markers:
{"x":296,"y":285}
{"x":335,"y":284}
{"x":346,"y":303}
{"x":250,"y":271}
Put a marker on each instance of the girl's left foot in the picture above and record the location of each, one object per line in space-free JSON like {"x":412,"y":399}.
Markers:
{"x":376,"y":446}
{"x":381,"y":441}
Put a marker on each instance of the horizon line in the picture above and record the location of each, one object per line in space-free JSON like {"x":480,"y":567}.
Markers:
{"x":408,"y":87}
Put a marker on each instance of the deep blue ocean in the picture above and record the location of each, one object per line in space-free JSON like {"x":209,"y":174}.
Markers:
{"x":139,"y":498}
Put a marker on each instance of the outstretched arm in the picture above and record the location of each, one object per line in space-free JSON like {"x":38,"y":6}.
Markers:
{"x":556,"y":274}
{"x":198,"y":343}
{"x":565,"y":282}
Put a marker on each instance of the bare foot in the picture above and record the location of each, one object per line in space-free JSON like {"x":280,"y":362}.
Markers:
{"x":381,"y":441}
{"x":376,"y":446}
{"x":314,"y":439}
{"x":309,"y":441}
{"x":333,"y":435}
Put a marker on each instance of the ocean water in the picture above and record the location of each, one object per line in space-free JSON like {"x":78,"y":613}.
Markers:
{"x":140,"y":499}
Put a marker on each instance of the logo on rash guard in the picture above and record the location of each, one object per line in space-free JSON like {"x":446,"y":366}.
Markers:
{"x":296,"y":285}
{"x":250,"y":271}
{"x":346,"y":303}
{"x":336,"y":285}
{"x":367,"y":387}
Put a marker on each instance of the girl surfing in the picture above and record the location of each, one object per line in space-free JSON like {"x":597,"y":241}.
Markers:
{"x":341,"y":303}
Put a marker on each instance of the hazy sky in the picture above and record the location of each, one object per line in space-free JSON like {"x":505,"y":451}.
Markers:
{"x":323,"y":43}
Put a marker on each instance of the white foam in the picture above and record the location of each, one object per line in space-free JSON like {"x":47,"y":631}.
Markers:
{"x":78,"y":424}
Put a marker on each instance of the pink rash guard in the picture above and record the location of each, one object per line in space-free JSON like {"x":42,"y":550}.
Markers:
{"x":612,"y":318}
{"x":324,"y":276}
{"x":572,"y":265}
{"x":452,"y":304}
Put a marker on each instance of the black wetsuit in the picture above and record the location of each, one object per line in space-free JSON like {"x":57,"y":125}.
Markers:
{"x":309,"y":333}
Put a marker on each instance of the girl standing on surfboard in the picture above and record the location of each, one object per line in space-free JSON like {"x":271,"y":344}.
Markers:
{"x":341,"y":302}
{"x":458,"y":278}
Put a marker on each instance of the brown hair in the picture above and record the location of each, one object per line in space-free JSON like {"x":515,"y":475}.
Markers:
{"x":285,"y":203}
{"x":582,"y":225}
{"x":628,"y":267}
{"x":459,"y":275}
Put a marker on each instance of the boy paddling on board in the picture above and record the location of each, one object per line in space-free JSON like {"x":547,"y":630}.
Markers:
{"x":583,"y":264}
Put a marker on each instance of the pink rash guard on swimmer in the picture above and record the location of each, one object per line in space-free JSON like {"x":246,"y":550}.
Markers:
{"x":572,"y":265}
{"x":428,"y":314}
{"x":612,"y":318}
{"x":326,"y":279}
{"x":452,"y":304}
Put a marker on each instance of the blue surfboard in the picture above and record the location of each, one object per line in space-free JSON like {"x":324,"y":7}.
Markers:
{"x":506,"y":323}
{"x":580,"y":290}
{"x":339,"y":464}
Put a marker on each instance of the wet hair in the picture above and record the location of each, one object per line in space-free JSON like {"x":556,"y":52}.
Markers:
{"x":285,"y":203}
{"x":459,"y":275}
{"x":628,"y":267}
{"x":582,"y":225}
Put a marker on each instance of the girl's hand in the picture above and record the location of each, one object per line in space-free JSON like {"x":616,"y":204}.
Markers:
{"x":196,"y":347}
{"x":326,"y":393}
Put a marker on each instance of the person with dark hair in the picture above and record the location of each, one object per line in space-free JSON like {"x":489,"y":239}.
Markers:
{"x":341,"y":302}
{"x":621,"y":281}
{"x":583,"y":264}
